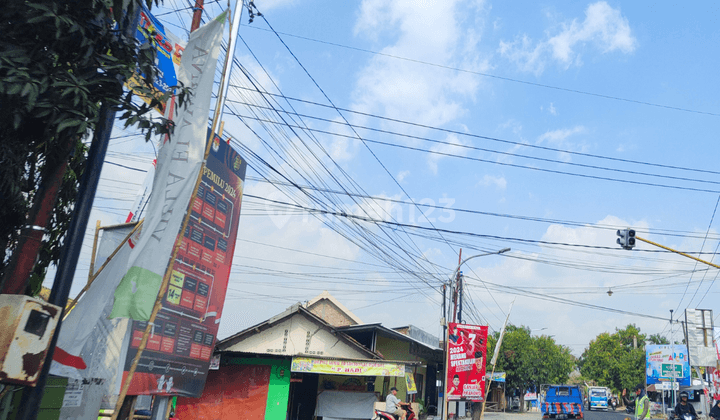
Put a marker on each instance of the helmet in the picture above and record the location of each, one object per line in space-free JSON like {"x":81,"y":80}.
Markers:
{"x":683,"y":394}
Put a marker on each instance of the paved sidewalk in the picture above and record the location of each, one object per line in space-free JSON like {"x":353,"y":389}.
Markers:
{"x":532,"y":415}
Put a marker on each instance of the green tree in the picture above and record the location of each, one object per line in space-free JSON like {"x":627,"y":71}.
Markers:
{"x":528,"y":361}
{"x":615,"y":360}
{"x":658,"y":339}
{"x":59,"y":62}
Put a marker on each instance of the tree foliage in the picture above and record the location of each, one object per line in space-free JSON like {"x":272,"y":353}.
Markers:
{"x":530,"y":361}
{"x":612,"y":360}
{"x":60,"y":60}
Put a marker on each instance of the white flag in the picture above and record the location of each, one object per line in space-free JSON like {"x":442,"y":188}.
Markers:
{"x":178,"y":167}
{"x":502,"y":332}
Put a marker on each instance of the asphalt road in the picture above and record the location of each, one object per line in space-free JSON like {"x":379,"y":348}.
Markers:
{"x":620,"y":414}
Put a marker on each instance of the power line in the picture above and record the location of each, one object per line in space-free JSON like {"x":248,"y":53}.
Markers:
{"x":481,"y":149}
{"x":507,"y":79}
{"x":478,"y":235}
{"x":495,"y":139}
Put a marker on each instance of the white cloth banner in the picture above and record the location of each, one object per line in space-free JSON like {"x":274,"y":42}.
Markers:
{"x":346,"y":405}
{"x":85,"y":318}
{"x":88,"y":337}
{"x":178,"y":167}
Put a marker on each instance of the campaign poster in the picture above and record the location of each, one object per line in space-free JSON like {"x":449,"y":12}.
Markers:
{"x":169,"y":49}
{"x":467,"y":350}
{"x":180,"y":348}
{"x":666,"y":364}
{"x":714,"y":382}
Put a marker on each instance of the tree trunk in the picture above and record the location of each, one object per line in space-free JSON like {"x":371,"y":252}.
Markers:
{"x":22,"y":260}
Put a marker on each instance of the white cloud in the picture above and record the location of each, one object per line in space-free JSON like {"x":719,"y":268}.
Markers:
{"x":402,"y":175}
{"x":604,"y":28}
{"x":498,"y":181}
{"x":434,"y":32}
{"x":450,"y":148}
{"x":560,"y":139}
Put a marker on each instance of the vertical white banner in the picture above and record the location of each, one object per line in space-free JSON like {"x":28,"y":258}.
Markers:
{"x":178,"y":167}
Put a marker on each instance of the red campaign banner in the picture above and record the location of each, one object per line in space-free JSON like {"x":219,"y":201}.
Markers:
{"x":177,"y":357}
{"x":714,"y":382}
{"x":467,"y":350}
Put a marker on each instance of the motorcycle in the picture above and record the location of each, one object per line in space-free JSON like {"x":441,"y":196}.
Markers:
{"x":384,"y":415}
{"x":613,"y":404}
{"x":630,"y":409}
{"x":684,"y":416}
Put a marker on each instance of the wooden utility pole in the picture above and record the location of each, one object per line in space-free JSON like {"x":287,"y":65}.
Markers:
{"x":197,"y":14}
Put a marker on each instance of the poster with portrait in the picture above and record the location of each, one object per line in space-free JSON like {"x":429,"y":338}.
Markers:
{"x":467,"y":350}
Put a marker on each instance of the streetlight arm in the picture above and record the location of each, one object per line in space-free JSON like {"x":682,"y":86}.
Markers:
{"x":457,"y":270}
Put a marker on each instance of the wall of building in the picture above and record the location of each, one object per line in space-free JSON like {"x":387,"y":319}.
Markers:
{"x":328,"y":312}
{"x":394,"y":349}
{"x":298,"y":335}
{"x":278,"y":387}
{"x":257,"y":388}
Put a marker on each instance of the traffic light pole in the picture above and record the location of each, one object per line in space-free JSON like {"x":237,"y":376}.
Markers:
{"x":677,"y":252}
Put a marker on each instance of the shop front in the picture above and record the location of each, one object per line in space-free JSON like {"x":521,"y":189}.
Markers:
{"x":338,"y":388}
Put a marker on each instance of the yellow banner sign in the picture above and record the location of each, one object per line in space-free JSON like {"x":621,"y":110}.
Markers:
{"x":346,"y":367}
{"x":410,"y":383}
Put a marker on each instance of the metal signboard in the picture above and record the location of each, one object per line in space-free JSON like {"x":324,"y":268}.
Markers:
{"x":699,"y":324}
{"x":667,"y":370}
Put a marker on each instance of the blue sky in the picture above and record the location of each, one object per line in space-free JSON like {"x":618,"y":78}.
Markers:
{"x":488,"y":109}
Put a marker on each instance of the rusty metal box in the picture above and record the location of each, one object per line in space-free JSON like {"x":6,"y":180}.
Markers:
{"x":27,"y":325}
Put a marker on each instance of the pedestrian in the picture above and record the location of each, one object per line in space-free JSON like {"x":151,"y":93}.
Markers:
{"x":642,"y":403}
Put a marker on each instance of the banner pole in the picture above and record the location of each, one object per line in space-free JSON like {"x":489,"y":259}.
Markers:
{"x":495,"y":356}
{"x":227,"y":68}
{"x":100,"y":270}
{"x":94,"y":251}
{"x":164,"y":284}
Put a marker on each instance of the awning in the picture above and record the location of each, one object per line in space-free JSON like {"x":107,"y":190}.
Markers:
{"x":347,"y":367}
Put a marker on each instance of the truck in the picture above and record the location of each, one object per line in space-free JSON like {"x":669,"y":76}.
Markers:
{"x":598,"y":398}
{"x":561,"y":402}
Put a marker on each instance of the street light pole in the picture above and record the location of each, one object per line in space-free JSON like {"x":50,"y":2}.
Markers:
{"x":446,"y":338}
{"x":672,"y":354}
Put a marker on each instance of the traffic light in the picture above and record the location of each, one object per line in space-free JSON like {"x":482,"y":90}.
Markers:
{"x":626,"y":238}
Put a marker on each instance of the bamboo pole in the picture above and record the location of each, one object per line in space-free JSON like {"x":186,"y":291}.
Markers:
{"x":94,"y":251}
{"x":100,"y":270}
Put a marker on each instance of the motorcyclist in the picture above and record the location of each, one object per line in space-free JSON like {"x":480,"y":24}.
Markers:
{"x":684,"y":407}
{"x":715,"y":411}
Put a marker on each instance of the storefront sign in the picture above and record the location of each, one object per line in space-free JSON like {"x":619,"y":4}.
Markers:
{"x":346,"y":367}
{"x":496,"y":377}
{"x":467,"y":348}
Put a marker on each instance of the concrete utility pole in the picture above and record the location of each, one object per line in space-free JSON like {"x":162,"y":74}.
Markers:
{"x":446,"y":338}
